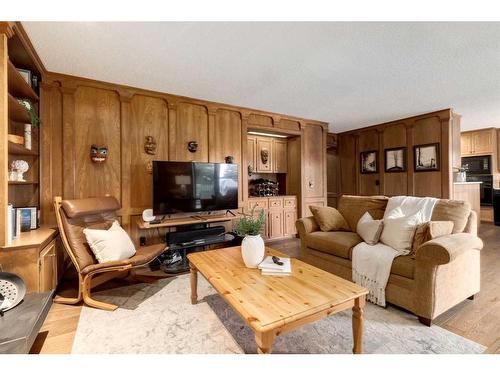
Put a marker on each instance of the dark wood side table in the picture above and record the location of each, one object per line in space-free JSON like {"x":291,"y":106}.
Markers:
{"x":20,"y":326}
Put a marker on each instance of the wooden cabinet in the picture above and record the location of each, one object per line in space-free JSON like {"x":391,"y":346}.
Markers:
{"x":264,"y":155}
{"x":37,"y":257}
{"x":281,"y":214}
{"x":276,"y":224}
{"x":280,"y":156}
{"x":267,"y":154}
{"x":478,"y":142}
{"x":290,"y":217}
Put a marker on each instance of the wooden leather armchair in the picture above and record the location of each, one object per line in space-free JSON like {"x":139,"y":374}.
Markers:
{"x":73,"y":216}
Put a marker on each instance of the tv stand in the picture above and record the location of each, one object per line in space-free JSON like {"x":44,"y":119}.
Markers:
{"x":188,"y":220}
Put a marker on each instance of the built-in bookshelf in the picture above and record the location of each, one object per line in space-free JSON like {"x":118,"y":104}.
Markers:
{"x":16,"y":86}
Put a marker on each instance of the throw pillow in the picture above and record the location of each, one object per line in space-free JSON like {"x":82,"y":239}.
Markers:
{"x":369,"y":229}
{"x":456,"y":211}
{"x":109,"y":245}
{"x":430,"y":230}
{"x":399,"y":230}
{"x":329,"y":219}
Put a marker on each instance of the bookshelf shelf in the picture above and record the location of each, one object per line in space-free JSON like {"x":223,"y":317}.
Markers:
{"x":17,"y":112}
{"x":23,"y":182}
{"x":17,"y":149}
{"x":18,"y":87}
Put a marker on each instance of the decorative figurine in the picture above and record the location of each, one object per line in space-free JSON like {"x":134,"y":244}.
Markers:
{"x":98,"y":154}
{"x":192,"y":146}
{"x":264,"y":155}
{"x":150,"y":145}
{"x":229,"y":159}
{"x":18,"y":169}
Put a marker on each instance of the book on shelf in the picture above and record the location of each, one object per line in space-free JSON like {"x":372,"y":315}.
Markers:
{"x":269,"y":268}
{"x":20,"y":219}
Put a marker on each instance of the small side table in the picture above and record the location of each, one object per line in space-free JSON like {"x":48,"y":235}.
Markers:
{"x":20,"y":325}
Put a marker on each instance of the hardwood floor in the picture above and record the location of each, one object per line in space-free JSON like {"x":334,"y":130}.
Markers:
{"x":478,"y":320}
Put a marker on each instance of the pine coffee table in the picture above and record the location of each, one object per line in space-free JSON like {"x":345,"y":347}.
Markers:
{"x":274,"y":305}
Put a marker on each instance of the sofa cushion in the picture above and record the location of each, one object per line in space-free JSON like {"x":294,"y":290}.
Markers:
{"x":353,"y":207}
{"x":369,"y":229}
{"x":428,"y":231}
{"x":456,"y":211}
{"x":336,"y":243}
{"x":329,"y":219}
{"x":404,"y":266}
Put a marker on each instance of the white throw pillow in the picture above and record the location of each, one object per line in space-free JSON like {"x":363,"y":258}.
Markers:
{"x":369,"y":229}
{"x":399,"y":230}
{"x":111,"y":244}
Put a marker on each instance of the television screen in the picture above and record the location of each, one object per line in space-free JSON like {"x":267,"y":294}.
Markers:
{"x":194,"y":187}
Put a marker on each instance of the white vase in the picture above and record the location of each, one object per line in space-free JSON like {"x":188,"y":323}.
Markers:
{"x":27,"y":136}
{"x":253,"y":250}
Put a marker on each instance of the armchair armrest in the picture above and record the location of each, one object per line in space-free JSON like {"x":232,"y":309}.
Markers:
{"x":443,"y":250}
{"x":306,"y":225}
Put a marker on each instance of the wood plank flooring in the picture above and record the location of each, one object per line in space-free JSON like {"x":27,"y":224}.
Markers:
{"x":478,"y":320}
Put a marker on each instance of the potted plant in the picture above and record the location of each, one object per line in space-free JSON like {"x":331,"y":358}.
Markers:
{"x":252,"y":247}
{"x":35,"y":120}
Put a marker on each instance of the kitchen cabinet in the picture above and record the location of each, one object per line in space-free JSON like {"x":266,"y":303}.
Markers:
{"x":267,"y":154}
{"x":264,"y":155}
{"x":478,"y":142}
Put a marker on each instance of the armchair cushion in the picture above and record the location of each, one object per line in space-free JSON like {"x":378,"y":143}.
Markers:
{"x":143,"y":256}
{"x":456,"y":211}
{"x":336,"y":243}
{"x":110,"y":245}
{"x":329,"y":219}
{"x":445,"y":249}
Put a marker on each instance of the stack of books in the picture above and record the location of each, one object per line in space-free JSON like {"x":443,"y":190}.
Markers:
{"x":270,"y":268}
{"x":20,"y":219}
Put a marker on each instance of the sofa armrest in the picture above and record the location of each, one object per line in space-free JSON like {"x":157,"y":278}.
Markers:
{"x":306,"y":225}
{"x":445,"y":249}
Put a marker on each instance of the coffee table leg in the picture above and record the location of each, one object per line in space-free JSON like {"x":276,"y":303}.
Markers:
{"x":264,"y":342}
{"x":194,"y":283}
{"x":358,"y":324}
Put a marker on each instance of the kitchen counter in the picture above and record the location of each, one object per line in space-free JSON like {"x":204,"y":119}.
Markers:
{"x":469,"y":191}
{"x":467,"y":183}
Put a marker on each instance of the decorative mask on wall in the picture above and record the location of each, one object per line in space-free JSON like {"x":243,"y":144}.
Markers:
{"x":192,"y":146}
{"x":229,"y":159}
{"x":150,"y":145}
{"x":264,"y":155}
{"x":98,"y":154}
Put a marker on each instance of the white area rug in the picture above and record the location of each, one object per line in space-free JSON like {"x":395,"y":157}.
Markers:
{"x":159,"y":318}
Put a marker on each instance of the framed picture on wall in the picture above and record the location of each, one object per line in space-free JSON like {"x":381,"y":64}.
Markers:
{"x":395,"y":159}
{"x":426,"y":157}
{"x":369,"y":162}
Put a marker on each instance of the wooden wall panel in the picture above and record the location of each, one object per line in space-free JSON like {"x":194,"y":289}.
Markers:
{"x":191,"y":125}
{"x":427,"y":130}
{"x":225,"y":140}
{"x":347,"y":160}
{"x":149,"y":117}
{"x":260,"y":120}
{"x":395,"y":183}
{"x":97,"y":121}
{"x":314,"y":156}
{"x":368,"y":184}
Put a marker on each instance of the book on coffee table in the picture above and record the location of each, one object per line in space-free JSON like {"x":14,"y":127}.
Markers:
{"x":270,"y":268}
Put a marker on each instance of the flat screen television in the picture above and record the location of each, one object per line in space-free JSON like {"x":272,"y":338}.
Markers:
{"x":194,"y":187}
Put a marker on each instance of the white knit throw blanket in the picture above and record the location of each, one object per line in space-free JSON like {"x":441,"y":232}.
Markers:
{"x":371,"y":264}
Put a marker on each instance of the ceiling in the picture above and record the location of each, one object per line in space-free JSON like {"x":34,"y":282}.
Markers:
{"x":345,"y":73}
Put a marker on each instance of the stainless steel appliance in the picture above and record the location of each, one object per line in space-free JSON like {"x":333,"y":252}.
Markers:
{"x":486,"y":188}
{"x":477,"y":165}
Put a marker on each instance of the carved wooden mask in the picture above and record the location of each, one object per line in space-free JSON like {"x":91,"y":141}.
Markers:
{"x":150,"y":145}
{"x":264,"y":155}
{"x":98,"y":154}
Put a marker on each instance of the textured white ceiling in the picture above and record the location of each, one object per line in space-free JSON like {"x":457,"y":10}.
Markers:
{"x":348,"y":74}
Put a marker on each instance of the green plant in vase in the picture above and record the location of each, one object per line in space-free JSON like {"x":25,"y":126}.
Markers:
{"x":252,"y":247}
{"x":35,"y":120}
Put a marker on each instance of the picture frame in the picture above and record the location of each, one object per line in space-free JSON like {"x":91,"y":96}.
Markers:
{"x":26,"y":74}
{"x":368,"y":162}
{"x":426,"y":157}
{"x":395,"y":160}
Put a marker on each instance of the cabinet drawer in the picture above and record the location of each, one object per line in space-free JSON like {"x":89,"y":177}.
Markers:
{"x":259,"y":204}
{"x":290,"y":202}
{"x":275,"y":203}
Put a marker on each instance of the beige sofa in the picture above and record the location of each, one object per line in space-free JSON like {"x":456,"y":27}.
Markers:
{"x":443,"y":272}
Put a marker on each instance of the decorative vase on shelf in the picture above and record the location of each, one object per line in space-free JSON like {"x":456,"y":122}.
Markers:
{"x":252,"y":247}
{"x":253,"y":250}
{"x":27,"y":136}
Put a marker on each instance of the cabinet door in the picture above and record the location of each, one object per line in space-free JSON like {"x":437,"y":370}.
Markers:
{"x":275,"y":224}
{"x":314,"y":162}
{"x":48,"y":268}
{"x":251,"y":153}
{"x":482,"y":142}
{"x":289,"y":223}
{"x":264,"y":155}
{"x":280,"y":156}
{"x":466,"y":144}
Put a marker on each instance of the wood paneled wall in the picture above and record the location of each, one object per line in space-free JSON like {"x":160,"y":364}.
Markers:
{"x":78,"y":112}
{"x":437,"y":127}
